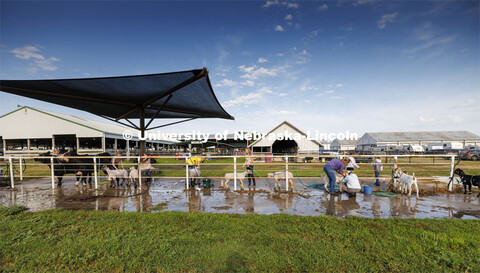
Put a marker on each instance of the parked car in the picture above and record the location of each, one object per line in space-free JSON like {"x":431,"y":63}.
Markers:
{"x":470,"y":155}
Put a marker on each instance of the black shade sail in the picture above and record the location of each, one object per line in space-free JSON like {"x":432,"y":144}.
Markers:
{"x":186,"y":95}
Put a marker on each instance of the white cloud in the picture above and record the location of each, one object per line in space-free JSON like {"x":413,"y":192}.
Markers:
{"x":336,"y":97}
{"x":248,"y":83}
{"x":322,"y":7}
{"x":469,"y":102}
{"x":455,"y":118}
{"x":339,"y":85}
{"x":279,"y":28}
{"x":280,"y":3}
{"x":387,"y":18}
{"x":226,"y":83}
{"x":426,"y":120}
{"x":288,"y":17}
{"x":363,"y":2}
{"x":262,"y":60}
{"x":250,"y":98}
{"x":27,"y":53}
{"x":312,"y":87}
{"x":326,"y":92}
{"x":266,"y":90}
{"x":282,"y":94}
{"x":431,"y":43}
{"x":282,"y":112}
{"x":33,"y":53}
{"x":254,"y":72}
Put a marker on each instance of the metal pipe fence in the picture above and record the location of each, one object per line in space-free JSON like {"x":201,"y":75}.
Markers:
{"x":18,"y":168}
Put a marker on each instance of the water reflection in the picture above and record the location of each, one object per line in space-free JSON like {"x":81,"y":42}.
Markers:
{"x":40,"y":196}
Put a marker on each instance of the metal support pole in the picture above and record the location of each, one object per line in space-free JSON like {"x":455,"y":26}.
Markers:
{"x":52,"y":172}
{"x":186,"y":173}
{"x":286,"y":173}
{"x":12,"y":180}
{"x":395,"y":158}
{"x":235,"y":173}
{"x":140,"y":172}
{"x":452,"y":166}
{"x":21,"y":167}
{"x":95,"y":172}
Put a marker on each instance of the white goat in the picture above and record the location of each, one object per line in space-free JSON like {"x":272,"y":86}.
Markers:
{"x":281,"y":176}
{"x":116,"y":174}
{"x":406,"y":181}
{"x":132,"y":177}
{"x":231,"y":176}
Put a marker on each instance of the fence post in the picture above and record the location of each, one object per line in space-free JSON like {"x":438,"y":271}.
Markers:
{"x":286,"y":173}
{"x":52,"y":172}
{"x":452,"y":165}
{"x":95,"y":173}
{"x":186,"y":173}
{"x":140,"y":172}
{"x":234,"y":173}
{"x":12,"y":180}
{"x":21,"y":171}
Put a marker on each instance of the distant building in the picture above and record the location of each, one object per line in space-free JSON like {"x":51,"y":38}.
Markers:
{"x":32,"y":131}
{"x":343,"y":145}
{"x":389,"y":141}
{"x":300,"y":144}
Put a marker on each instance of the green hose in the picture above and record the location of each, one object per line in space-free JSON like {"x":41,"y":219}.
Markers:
{"x":385,"y":194}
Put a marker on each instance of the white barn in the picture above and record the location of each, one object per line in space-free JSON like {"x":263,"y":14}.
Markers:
{"x":391,"y":140}
{"x":32,"y":131}
{"x":343,"y":145}
{"x":298,"y":142}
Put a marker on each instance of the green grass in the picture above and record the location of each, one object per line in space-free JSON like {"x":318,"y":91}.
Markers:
{"x":86,"y":241}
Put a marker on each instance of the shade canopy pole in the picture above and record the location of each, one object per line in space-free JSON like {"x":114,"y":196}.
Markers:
{"x":142,"y":131}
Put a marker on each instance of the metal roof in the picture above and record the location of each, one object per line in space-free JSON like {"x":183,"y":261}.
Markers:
{"x":346,"y":141}
{"x":424,"y":136}
{"x":100,"y":126}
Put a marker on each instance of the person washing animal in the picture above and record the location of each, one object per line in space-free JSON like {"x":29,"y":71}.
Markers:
{"x":352,"y":164}
{"x":351,"y":184}
{"x":194,"y":169}
{"x":335,"y":165}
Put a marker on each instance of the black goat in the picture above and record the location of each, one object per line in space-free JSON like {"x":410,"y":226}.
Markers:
{"x":468,"y":180}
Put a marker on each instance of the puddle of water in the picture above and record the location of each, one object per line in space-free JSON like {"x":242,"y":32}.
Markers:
{"x":170,"y":195}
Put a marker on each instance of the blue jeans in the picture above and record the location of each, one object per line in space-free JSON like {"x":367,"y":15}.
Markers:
{"x":377,"y":174}
{"x":331,"y":176}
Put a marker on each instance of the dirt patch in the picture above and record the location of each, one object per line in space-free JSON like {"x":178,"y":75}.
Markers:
{"x":222,"y":208}
{"x":161,"y":206}
{"x":375,"y":225}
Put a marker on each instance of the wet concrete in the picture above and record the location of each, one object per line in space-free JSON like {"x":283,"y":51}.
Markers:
{"x":170,"y":195}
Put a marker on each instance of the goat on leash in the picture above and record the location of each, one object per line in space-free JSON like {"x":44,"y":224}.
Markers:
{"x":231,"y":176}
{"x":406,"y":181}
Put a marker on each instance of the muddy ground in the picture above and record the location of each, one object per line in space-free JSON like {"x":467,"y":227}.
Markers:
{"x":170,"y":194}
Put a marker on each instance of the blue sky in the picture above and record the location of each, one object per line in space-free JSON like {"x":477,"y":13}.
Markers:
{"x":326,"y":66}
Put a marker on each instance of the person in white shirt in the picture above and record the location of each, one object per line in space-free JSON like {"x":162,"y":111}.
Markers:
{"x":351,"y":184}
{"x":352,"y":164}
{"x":378,"y":169}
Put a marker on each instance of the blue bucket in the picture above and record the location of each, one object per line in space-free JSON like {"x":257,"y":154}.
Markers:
{"x":367,"y":189}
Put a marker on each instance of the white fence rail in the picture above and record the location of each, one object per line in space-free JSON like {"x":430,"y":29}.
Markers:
{"x":279,"y":163}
